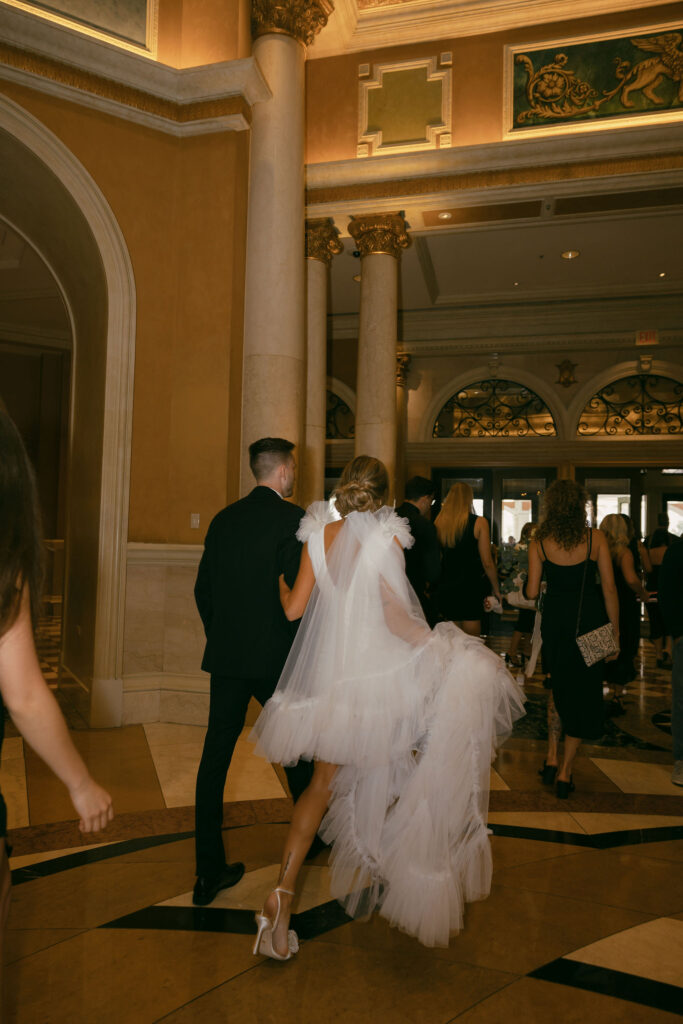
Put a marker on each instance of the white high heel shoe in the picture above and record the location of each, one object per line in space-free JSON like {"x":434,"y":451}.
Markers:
{"x":266,"y":927}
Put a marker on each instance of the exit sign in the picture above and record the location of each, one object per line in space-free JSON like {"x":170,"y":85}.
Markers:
{"x":647,"y":337}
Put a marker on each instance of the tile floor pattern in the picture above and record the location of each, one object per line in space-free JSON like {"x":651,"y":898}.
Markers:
{"x":584,"y":920}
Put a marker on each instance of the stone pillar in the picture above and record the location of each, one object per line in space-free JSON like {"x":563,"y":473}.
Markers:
{"x":322,"y":243}
{"x":402,"y":368}
{"x":379,"y":238}
{"x":273,"y":384}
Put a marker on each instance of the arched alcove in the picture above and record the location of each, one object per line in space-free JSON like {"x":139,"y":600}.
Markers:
{"x":48,"y":197}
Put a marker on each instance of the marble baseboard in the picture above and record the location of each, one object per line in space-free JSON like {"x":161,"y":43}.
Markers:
{"x":165,"y":697}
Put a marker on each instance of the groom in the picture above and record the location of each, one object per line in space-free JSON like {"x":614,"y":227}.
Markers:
{"x":248,"y":638}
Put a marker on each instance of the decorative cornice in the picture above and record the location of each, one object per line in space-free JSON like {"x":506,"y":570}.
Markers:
{"x":380,"y":233}
{"x":301,"y":19}
{"x":322,"y":240}
{"x":402,"y":368}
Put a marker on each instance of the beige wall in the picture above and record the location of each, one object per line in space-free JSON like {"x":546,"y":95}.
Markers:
{"x":332,"y":83}
{"x":181,"y":205}
{"x":196,"y":32}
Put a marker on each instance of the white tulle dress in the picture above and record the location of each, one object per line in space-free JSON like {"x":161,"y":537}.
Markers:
{"x":411,"y":715}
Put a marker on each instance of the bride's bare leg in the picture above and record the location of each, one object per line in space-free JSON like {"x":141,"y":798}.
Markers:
{"x":306,"y":817}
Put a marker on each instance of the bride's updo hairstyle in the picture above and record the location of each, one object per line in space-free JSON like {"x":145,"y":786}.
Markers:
{"x":363,"y":487}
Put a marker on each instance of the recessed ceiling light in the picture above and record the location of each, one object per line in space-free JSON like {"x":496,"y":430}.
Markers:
{"x":570,"y":254}
{"x":356,"y":277}
{"x":516,"y":284}
{"x":662,"y":273}
{"x":445,"y":215}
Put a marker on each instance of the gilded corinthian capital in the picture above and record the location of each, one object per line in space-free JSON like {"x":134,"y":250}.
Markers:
{"x":380,"y":233}
{"x":301,"y":19}
{"x":322,"y":240}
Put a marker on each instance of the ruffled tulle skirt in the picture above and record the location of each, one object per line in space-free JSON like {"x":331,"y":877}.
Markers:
{"x":407,"y":818}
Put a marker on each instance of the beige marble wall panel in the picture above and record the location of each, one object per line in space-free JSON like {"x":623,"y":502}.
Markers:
{"x":183,"y":631}
{"x":140,"y":706}
{"x":187,"y":708}
{"x":143,"y":636}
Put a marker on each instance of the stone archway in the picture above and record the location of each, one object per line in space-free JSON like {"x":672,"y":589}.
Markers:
{"x":49,"y":197}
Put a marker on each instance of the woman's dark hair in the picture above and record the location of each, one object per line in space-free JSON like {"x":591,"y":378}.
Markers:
{"x":564,"y":514}
{"x":21,"y":541}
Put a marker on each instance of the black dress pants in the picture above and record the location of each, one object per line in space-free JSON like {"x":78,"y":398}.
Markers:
{"x":229,"y":699}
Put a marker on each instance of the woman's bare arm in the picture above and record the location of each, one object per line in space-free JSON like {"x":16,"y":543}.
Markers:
{"x":533,"y":582}
{"x":628,"y":569}
{"x":644,"y":557}
{"x":483,"y":538}
{"x":294,"y":601}
{"x":609,"y":588}
{"x":36,"y":715}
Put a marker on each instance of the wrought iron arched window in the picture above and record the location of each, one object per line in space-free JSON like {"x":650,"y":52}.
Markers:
{"x":495,"y":408}
{"x":641,"y":404}
{"x":341,"y":422}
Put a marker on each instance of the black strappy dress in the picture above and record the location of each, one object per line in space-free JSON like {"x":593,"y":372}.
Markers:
{"x":577,"y":689}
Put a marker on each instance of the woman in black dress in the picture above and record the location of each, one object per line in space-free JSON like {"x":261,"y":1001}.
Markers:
{"x":566,"y":551}
{"x":468,"y":573}
{"x":23,"y":691}
{"x":658,"y":544}
{"x":630,"y":591}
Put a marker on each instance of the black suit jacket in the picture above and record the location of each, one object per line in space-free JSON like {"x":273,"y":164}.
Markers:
{"x":247,"y":546}
{"x":423,"y":560}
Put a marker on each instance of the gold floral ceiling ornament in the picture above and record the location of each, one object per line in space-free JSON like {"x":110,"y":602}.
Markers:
{"x":380,"y":233}
{"x":322,"y":240}
{"x":301,"y":19}
{"x":566,"y":373}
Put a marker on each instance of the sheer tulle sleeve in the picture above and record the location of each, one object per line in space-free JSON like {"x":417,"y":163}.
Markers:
{"x":392,"y":526}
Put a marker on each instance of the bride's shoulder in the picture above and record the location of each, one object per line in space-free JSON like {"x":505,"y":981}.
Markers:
{"x":318,"y":515}
{"x":393,"y":525}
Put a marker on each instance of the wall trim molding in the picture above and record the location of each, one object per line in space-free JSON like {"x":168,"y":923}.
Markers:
{"x":139,"y":553}
{"x":177,"y":682}
{"x":188,"y":101}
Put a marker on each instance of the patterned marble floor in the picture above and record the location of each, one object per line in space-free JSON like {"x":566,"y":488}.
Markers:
{"x":584,"y":920}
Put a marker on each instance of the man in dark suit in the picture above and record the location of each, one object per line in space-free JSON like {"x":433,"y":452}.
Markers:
{"x":248,"y":545}
{"x":423,"y":560}
{"x":670,"y":599}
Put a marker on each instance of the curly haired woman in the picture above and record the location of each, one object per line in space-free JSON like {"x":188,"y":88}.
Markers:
{"x":567,"y":551}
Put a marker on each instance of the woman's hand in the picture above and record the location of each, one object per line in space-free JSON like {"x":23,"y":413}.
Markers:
{"x":92,"y":804}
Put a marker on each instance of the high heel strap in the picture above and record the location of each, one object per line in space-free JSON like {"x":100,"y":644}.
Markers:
{"x":288,"y":892}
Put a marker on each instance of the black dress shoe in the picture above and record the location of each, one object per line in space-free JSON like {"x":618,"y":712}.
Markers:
{"x":565,"y":788}
{"x":206,"y":889}
{"x":548,"y":773}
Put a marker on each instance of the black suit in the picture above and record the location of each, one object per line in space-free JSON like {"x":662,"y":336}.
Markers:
{"x":248,"y":638}
{"x":423,"y":560}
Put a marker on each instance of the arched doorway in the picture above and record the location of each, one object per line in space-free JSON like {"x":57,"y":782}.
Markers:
{"x":49,"y":199}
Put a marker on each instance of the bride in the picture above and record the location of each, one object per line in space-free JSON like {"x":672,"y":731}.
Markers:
{"x":401,"y":721}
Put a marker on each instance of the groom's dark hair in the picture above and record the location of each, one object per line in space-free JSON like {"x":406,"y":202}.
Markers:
{"x":267,"y":454}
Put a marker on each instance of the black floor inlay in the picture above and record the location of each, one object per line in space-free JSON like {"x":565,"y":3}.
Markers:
{"x":630,"y":987}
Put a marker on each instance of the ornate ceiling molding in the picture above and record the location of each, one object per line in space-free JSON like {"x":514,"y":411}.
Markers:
{"x":301,"y":19}
{"x":380,"y":233}
{"x":53,"y":60}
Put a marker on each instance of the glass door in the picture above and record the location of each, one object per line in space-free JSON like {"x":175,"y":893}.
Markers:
{"x":612,"y":491}
{"x":520,"y":503}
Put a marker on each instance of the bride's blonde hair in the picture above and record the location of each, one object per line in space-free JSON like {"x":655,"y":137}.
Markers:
{"x":363,"y":487}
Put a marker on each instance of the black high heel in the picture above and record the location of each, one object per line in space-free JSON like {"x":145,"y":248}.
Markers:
{"x":548,"y":773}
{"x":565,"y":788}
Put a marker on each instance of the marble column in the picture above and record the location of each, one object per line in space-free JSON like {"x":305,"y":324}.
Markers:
{"x":402,"y":369}
{"x":379,"y":239}
{"x":322,"y":243}
{"x":274,"y":356}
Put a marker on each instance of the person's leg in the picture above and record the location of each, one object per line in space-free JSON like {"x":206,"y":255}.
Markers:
{"x":571,"y":747}
{"x":308,"y":813}
{"x":514,"y":643}
{"x":470,"y":626}
{"x":554,"y":733}
{"x":227,"y":711}
{"x":677,"y":710}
